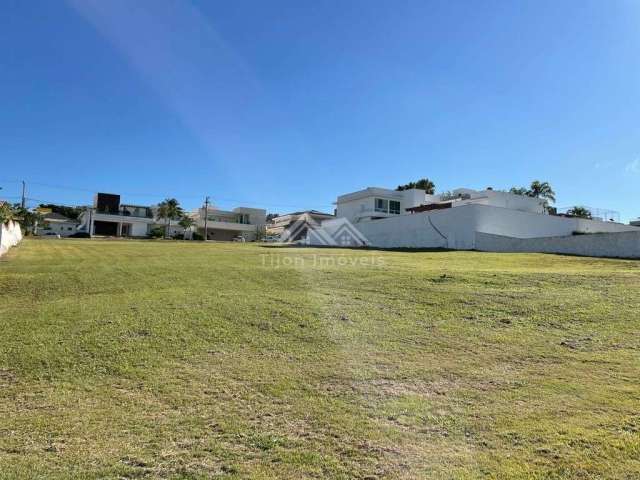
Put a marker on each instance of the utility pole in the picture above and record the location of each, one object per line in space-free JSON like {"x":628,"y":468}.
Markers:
{"x":90,"y":222}
{"x":24,"y":187}
{"x":206,"y":215}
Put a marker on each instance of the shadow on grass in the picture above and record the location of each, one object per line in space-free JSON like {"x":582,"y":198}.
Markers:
{"x":368,"y":249}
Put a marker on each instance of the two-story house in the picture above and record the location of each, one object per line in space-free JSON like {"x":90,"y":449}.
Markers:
{"x":414,"y":219}
{"x":225,"y":225}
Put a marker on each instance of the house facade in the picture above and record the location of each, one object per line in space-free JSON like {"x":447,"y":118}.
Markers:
{"x":56,"y":223}
{"x":226,"y":225}
{"x":109,"y":217}
{"x":455,"y":220}
{"x":379,"y":203}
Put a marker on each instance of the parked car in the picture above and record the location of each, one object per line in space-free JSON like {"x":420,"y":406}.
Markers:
{"x":80,"y":235}
{"x":239,"y":238}
{"x":271,"y":238}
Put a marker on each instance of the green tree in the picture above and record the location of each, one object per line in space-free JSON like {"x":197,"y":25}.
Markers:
{"x":7,"y":213}
{"x":423,"y":184}
{"x":187,"y":223}
{"x":69,"y":212}
{"x":261,"y":232}
{"x":580,"y":212}
{"x":168,"y":210}
{"x":29,"y":219}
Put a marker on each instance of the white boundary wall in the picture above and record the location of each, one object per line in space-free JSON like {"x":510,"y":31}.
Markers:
{"x":10,"y":235}
{"x":456,"y":227}
{"x":618,"y":244}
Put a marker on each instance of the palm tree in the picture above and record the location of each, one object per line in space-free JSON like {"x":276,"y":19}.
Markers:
{"x":187,"y":223}
{"x":423,"y":184}
{"x":540,"y":189}
{"x":169,"y":209}
{"x":519,"y":190}
{"x":580,"y":212}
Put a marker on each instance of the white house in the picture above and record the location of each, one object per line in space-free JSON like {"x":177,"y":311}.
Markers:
{"x":59,"y":224}
{"x":226,"y":225}
{"x":109,"y":217}
{"x":414,"y":219}
{"x":377,"y":203}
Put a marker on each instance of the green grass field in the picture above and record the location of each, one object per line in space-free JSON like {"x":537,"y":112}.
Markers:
{"x":183,"y":360}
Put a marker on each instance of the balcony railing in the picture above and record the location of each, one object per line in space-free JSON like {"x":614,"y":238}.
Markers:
{"x":140,"y":213}
{"x":227,"y":220}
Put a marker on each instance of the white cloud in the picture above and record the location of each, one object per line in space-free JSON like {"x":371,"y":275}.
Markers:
{"x":634,"y":166}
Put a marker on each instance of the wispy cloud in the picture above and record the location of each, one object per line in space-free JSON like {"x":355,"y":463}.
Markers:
{"x":634,"y":166}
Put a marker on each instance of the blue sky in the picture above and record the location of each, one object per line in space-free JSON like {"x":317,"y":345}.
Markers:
{"x":287,"y":104}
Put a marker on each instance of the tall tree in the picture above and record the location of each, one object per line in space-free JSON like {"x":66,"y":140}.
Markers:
{"x":168,"y":210}
{"x":423,"y":184}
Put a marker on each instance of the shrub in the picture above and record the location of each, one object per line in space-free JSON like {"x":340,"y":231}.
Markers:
{"x":157,"y":232}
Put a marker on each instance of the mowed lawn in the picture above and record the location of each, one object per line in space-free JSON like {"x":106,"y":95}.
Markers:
{"x":184,"y":360}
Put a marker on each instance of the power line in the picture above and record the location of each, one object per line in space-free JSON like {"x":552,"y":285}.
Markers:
{"x":161,"y":195}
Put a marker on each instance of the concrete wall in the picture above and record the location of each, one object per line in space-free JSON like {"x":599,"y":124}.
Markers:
{"x":138,"y":229}
{"x":10,"y":235}
{"x":456,"y":227}
{"x":618,"y":244}
{"x":420,"y":230}
{"x":513,"y":223}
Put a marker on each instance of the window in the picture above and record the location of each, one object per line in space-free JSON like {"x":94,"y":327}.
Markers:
{"x":387,"y":206}
{"x":382,"y":205}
